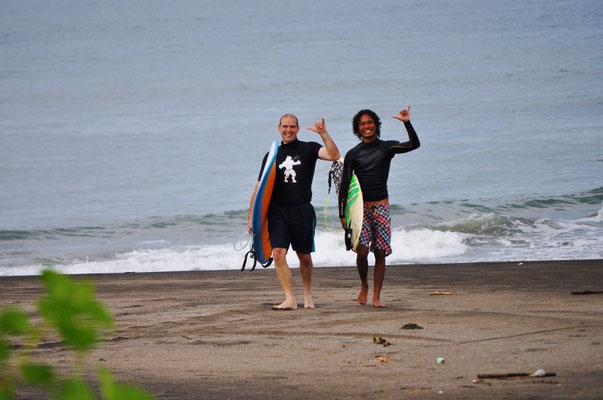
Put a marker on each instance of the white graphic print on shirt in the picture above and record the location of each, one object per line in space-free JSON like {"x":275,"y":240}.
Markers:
{"x":288,"y":166}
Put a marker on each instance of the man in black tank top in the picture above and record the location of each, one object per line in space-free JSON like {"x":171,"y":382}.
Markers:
{"x":370,"y":160}
{"x":291,"y":218}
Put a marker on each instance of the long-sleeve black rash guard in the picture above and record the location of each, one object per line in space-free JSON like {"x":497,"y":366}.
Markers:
{"x":370,"y":162}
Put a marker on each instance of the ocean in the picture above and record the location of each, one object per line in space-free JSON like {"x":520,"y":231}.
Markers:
{"x":132,"y":133}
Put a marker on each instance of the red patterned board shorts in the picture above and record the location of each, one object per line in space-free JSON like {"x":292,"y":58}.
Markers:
{"x":376,"y":231}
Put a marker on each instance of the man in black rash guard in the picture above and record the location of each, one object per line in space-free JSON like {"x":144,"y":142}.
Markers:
{"x":370,"y":161}
{"x":291,"y":218}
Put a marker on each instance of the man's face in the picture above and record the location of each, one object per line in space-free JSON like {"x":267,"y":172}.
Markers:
{"x":288,"y":129}
{"x":367,"y":128}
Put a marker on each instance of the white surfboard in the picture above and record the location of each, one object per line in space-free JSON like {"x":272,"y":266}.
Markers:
{"x":354,"y":213}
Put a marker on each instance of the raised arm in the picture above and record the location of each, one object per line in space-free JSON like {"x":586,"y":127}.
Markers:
{"x":413,"y":140}
{"x":329,"y":152}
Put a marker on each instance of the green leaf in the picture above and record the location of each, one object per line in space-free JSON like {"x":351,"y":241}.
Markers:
{"x":99,"y":313}
{"x":57,"y":285}
{"x":76,"y":298}
{"x":78,"y":336}
{"x":38,"y":374}
{"x":7,"y":389}
{"x":72,"y":309}
{"x":13,"y":321}
{"x":4,"y":351}
{"x":115,"y":391}
{"x":106,"y":384}
{"x":128,"y":392}
{"x":74,"y":389}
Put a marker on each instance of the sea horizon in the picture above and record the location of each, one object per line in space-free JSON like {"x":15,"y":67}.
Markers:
{"x":131,"y":134}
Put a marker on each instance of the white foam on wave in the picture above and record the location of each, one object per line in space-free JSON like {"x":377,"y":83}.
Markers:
{"x":426,"y":245}
{"x":190,"y":258}
{"x":547,"y":239}
{"x":420,"y":245}
{"x":409,"y":246}
{"x":596,"y":218}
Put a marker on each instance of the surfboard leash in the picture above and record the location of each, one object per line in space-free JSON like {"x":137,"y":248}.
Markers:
{"x":252,"y":254}
{"x":249,"y":254}
{"x":325,"y":211}
{"x":241,"y":244}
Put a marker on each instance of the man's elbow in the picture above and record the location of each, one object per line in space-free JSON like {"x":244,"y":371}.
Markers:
{"x":329,"y":156}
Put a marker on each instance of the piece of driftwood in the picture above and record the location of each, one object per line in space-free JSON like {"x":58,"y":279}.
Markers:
{"x":514,"y":375}
{"x":580,"y":292}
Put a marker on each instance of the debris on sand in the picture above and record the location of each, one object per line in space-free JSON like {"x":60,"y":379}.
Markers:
{"x":382,"y":341}
{"x":412,"y":325}
{"x":517,"y":375}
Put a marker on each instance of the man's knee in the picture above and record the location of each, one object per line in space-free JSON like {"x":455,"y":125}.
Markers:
{"x":279,"y":253}
{"x":305,"y":258}
{"x":362,"y":250}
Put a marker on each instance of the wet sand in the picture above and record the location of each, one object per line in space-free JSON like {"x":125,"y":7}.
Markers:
{"x":214,"y":335}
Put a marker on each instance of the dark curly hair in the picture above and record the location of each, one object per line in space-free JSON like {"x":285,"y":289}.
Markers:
{"x":356,"y":122}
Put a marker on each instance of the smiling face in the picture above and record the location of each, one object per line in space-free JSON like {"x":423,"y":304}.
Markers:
{"x":288,"y":127}
{"x":367,"y":128}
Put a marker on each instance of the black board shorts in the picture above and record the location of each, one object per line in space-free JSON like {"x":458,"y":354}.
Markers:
{"x":292,"y":225}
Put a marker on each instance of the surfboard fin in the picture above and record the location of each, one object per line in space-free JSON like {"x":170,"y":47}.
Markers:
{"x":348,"y":239}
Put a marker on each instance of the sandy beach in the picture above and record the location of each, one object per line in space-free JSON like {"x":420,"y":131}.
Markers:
{"x":214,"y":335}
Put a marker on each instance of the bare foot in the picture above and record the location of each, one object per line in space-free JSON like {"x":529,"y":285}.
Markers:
{"x":286,"y":305}
{"x":363,"y":296}
{"x":308,"y":303}
{"x":378,"y":304}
